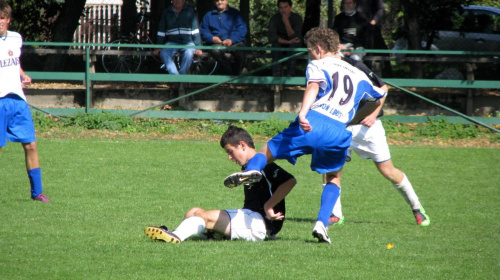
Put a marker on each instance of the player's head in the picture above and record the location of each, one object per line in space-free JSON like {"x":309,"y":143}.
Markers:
{"x":5,"y":15}
{"x":238,"y":145}
{"x":234,"y":135}
{"x":324,"y":37}
{"x":5,"y":10}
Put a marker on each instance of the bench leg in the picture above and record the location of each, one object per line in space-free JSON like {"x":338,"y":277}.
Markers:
{"x":277,"y":97}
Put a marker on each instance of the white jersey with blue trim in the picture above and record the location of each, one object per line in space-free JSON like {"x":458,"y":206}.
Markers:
{"x":10,"y":64}
{"x":341,"y":88}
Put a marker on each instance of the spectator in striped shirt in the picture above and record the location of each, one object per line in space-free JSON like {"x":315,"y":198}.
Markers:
{"x":178,"y":26}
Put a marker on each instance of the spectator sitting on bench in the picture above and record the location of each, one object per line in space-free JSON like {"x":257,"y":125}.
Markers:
{"x":178,"y":26}
{"x":285,"y":29}
{"x":224,"y":26}
{"x":352,"y":28}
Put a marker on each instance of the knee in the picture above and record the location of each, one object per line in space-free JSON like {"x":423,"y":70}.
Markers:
{"x":30,"y":147}
{"x":332,"y":179}
{"x":193,"y":211}
{"x":189,"y":52}
{"x":167,"y":54}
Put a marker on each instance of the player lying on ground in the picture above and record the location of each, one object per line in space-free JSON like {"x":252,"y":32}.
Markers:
{"x":249,"y":223}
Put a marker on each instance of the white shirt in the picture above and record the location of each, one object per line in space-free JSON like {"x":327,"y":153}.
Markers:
{"x":10,"y":64}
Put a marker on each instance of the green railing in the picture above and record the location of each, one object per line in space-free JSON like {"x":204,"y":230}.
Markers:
{"x":88,"y":77}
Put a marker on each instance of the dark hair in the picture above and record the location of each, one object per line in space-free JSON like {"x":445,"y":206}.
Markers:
{"x":324,"y":37}
{"x":234,"y":135}
{"x":284,"y":1}
{"x":5,"y":9}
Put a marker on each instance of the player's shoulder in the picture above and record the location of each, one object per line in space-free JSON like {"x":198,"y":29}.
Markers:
{"x":14,"y":37}
{"x":13,"y":34}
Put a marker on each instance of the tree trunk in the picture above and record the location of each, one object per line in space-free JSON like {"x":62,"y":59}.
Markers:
{"x":245,"y":12}
{"x":129,"y":17}
{"x":157,"y":7}
{"x":311,"y":18}
{"x":411,"y":16}
{"x":64,"y":28}
{"x":203,"y":7}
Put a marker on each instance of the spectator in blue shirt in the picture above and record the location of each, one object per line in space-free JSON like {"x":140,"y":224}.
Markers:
{"x":224,"y":26}
{"x":178,"y":26}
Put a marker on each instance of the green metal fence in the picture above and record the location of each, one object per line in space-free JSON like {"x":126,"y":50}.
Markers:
{"x":88,"y":76}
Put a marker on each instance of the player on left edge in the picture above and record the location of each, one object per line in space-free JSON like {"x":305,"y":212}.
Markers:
{"x":16,"y":123}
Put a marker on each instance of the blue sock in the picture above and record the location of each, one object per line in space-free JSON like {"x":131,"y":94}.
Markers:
{"x":258,"y":162}
{"x":329,"y":197}
{"x":35,"y":176}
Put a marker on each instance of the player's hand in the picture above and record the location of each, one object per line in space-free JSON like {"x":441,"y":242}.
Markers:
{"x":304,"y":124}
{"x":198,"y":53}
{"x":156,"y":52}
{"x":25,"y":80}
{"x":227,"y":43}
{"x":368,"y":120}
{"x":274,"y":216}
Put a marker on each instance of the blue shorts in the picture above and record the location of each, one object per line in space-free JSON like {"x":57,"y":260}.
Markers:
{"x":16,"y":123}
{"x":327,"y":143}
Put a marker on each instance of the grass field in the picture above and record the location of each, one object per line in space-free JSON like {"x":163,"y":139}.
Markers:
{"x":105,"y":192}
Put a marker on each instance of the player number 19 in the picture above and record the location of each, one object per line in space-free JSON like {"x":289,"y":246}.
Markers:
{"x":348,"y":88}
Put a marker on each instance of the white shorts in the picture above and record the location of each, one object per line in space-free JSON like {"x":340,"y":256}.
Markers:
{"x":369,"y":142}
{"x":247,"y":224}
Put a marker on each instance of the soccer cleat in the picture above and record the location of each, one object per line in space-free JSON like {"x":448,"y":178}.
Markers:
{"x":422,"y":219}
{"x":320,"y":232}
{"x":239,"y":178}
{"x":161,"y":234}
{"x":41,"y":198}
{"x":334,"y":220}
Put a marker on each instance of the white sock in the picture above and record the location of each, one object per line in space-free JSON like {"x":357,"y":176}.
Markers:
{"x":191,"y":226}
{"x":337,"y":208}
{"x":406,"y":190}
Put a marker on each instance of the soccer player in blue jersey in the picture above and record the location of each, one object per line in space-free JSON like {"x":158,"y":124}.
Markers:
{"x":16,"y":123}
{"x":330,"y":103}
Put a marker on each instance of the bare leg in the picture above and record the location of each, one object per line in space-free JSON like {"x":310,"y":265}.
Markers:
{"x":217,"y":220}
{"x":400,"y":182}
{"x":31,"y":155}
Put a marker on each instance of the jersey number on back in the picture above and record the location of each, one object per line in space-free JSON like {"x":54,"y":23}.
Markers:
{"x":348,"y":88}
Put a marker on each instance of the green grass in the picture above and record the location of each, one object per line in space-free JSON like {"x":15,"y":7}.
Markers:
{"x":105,"y":192}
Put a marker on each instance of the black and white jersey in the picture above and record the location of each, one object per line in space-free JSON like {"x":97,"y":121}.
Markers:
{"x":257,"y":194}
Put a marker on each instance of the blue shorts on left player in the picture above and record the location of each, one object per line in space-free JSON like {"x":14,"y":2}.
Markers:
{"x":16,"y":125}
